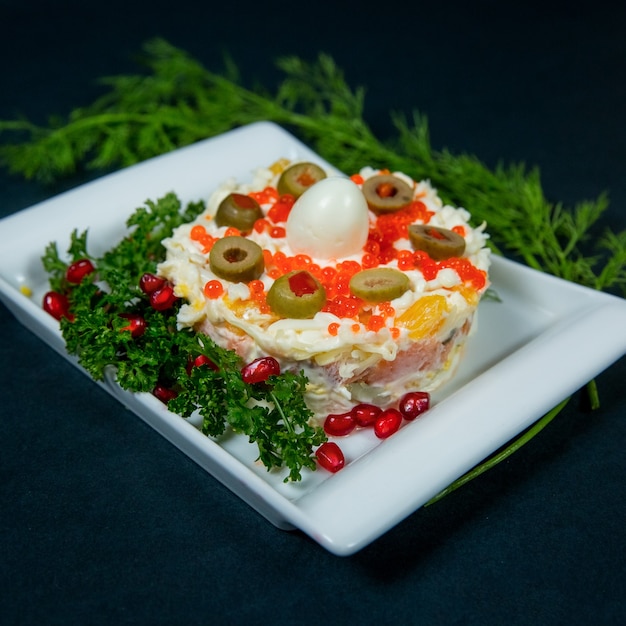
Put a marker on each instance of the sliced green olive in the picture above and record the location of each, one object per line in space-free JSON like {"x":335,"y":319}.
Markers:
{"x":236,"y":259}
{"x":379,"y":284}
{"x":238,"y":210}
{"x":297,"y":294}
{"x":297,"y":178}
{"x":439,"y":243}
{"x":386,"y":193}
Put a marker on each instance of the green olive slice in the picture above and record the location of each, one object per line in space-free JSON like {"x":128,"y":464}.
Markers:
{"x":297,"y":178}
{"x":379,"y":284}
{"x":438,"y":243}
{"x":236,"y":259}
{"x":297,"y":295}
{"x":386,"y":193}
{"x":238,"y":210}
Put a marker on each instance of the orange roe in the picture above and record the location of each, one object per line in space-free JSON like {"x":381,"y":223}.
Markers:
{"x":231,"y":231}
{"x":302,"y":261}
{"x":269,"y":194}
{"x":386,"y":309}
{"x":256,"y":286}
{"x":375,"y":323}
{"x":267,"y":257}
{"x":197,"y":232}
{"x":379,"y":249}
{"x":213,"y":289}
{"x":369,"y":261}
{"x":333,"y":329}
{"x":467,"y":271}
{"x":277,"y":232}
{"x":260,"y":225}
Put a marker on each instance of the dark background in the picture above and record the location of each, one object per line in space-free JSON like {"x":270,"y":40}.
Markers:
{"x":103,"y":521}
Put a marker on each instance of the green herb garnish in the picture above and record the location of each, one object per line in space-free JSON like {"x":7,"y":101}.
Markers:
{"x":273,"y":415}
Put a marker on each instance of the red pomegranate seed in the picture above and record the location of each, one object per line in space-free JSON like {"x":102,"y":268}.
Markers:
{"x":414,"y":404}
{"x":164,"y":394}
{"x":163,"y":298}
{"x":259,"y":370}
{"x":78,"y":270}
{"x":199,"y":361}
{"x":136,"y":324}
{"x":57,"y":305}
{"x":149,"y":283}
{"x":387,"y":423}
{"x":330,"y":457}
{"x":339,"y":424}
{"x":365,"y":414}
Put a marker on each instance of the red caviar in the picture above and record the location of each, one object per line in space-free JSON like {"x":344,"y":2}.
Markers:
{"x":277,"y":232}
{"x":281,"y":209}
{"x":375,"y":323}
{"x":260,"y":225}
{"x":197,"y":232}
{"x":380,"y":249}
{"x":213,"y":289}
{"x":267,"y":195}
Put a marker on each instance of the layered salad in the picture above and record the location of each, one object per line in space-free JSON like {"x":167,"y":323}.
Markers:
{"x":368,"y":284}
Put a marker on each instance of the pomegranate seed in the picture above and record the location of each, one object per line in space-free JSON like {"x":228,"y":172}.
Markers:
{"x":199,"y":361}
{"x":414,"y":404}
{"x":164,"y":394}
{"x":149,"y":283}
{"x":136,"y":324}
{"x":387,"y":423}
{"x":78,"y":270}
{"x":339,"y":424}
{"x":330,"y":457}
{"x":259,"y":370}
{"x":57,"y":305}
{"x":365,"y":414}
{"x":163,"y":298}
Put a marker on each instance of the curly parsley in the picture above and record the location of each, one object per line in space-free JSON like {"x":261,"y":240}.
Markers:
{"x":273,"y":415}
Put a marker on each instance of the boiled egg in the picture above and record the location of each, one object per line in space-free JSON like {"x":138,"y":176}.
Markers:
{"x":330,"y":220}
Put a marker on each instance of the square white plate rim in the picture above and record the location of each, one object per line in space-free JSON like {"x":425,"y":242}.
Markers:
{"x":545,"y":340}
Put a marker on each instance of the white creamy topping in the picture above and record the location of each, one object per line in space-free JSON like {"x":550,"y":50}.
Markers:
{"x":188,"y":268}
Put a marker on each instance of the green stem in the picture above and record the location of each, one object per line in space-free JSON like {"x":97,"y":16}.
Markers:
{"x":501,"y":456}
{"x":594,"y":398}
{"x":279,"y":407}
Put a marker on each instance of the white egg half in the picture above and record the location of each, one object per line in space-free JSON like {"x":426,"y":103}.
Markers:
{"x":330,"y":220}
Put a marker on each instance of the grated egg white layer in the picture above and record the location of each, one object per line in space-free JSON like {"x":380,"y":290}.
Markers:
{"x":235,"y":322}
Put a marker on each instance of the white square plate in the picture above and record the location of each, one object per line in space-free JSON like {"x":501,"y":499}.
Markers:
{"x":543,"y":341}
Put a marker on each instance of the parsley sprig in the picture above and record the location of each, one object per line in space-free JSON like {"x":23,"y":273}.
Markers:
{"x":273,"y":415}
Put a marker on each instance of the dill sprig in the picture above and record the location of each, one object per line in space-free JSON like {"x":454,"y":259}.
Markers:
{"x":177,"y":101}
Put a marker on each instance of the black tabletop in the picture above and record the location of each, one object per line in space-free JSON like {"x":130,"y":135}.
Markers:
{"x":103,"y":521}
